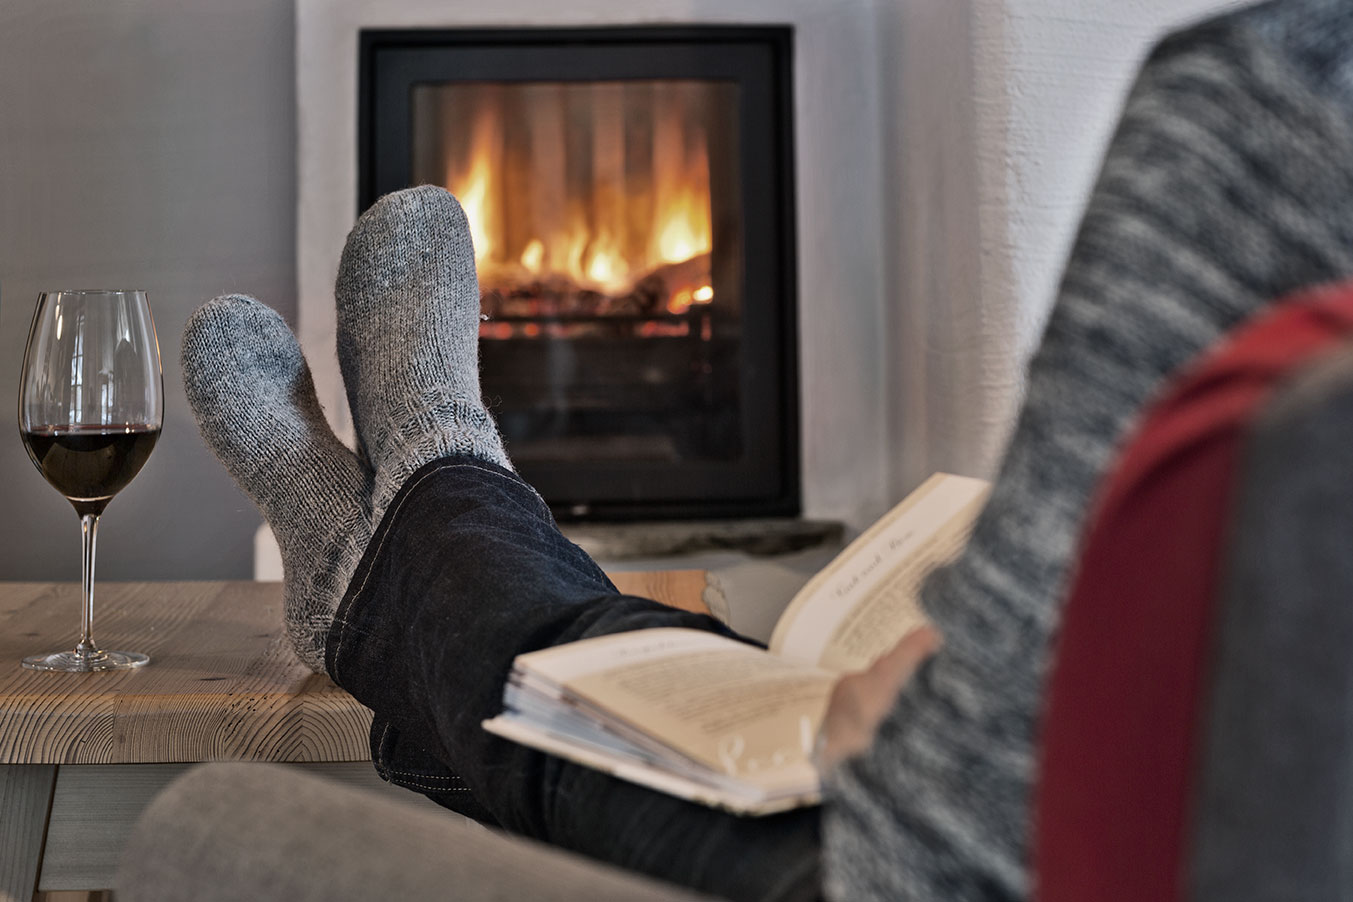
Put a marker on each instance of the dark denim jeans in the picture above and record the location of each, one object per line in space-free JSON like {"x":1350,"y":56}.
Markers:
{"x":466,"y":571}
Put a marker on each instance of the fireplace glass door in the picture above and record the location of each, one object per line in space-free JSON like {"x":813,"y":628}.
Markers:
{"x":591,"y":207}
{"x":630,"y":360}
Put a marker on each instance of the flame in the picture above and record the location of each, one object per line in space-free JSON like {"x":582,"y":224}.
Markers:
{"x":683,"y":228}
{"x":680,"y":302}
{"x":474,"y":186}
{"x":533,"y":256}
{"x":571,"y":247}
{"x":606,"y":266}
{"x":585,"y":241}
{"x":685,"y":298}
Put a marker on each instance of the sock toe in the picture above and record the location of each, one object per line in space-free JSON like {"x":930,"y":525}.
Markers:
{"x":410,"y":239}
{"x":240,"y":360}
{"x":408,"y":337}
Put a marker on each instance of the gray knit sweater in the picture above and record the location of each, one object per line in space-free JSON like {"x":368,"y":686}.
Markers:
{"x":1228,"y":183}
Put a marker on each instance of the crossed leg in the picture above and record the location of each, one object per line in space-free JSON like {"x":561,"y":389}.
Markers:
{"x":417,"y":569}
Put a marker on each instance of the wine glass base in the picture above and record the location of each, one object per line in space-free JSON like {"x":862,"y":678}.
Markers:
{"x":78,"y":662}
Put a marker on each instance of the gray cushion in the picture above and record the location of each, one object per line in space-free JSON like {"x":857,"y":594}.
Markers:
{"x":263,"y":832}
{"x":1273,"y":819}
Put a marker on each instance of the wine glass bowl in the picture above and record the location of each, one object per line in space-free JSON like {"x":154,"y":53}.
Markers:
{"x":91,"y":406}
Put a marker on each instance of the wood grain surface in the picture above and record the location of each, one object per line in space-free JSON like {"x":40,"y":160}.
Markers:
{"x":222,"y":683}
{"x":679,"y":588}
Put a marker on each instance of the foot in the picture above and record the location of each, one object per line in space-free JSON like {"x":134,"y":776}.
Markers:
{"x":251,"y":392}
{"x":408,"y":338}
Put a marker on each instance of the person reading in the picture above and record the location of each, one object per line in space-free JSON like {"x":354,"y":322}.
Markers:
{"x":420,"y":566}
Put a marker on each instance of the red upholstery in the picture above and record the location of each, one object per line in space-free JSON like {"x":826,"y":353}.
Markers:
{"x":1121,"y":728}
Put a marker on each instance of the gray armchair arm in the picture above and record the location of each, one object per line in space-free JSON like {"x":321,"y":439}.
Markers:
{"x":265,"y":832}
{"x":1276,"y":789}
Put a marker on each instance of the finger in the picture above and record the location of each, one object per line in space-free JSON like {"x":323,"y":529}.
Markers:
{"x":859,"y":701}
{"x":845,"y":730}
{"x":896,"y":666}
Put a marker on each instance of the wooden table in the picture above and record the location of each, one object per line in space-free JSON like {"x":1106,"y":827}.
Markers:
{"x":82,"y":754}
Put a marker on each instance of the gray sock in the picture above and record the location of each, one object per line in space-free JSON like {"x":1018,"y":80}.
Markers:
{"x":251,"y":392}
{"x":408,"y":338}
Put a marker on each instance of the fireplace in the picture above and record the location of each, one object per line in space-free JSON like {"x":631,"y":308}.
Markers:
{"x":859,"y":176}
{"x":630,"y":195}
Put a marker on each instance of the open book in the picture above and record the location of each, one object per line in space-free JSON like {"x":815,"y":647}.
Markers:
{"x":722,"y":722}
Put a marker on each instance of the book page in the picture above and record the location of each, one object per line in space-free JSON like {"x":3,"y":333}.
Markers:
{"x":732,"y":707}
{"x":866,"y":599}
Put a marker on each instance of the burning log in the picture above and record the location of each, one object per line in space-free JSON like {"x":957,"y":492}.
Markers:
{"x":666,"y":290}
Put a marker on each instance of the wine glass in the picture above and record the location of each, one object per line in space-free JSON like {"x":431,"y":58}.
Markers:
{"x":91,"y":404}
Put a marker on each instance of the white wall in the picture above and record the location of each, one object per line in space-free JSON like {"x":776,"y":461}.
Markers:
{"x":938,"y":327}
{"x":143,"y":144}
{"x":1002,"y":112}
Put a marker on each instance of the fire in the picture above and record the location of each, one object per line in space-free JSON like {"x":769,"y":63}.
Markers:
{"x":606,"y":266}
{"x":532,"y":257}
{"x":683,"y":226}
{"x":473,"y":187}
{"x":633,"y":231}
{"x":686,"y":298}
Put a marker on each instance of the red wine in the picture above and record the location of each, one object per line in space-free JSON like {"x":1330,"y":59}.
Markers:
{"x":90,"y":464}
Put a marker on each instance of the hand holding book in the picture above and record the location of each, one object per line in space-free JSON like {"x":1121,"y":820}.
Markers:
{"x":727,"y":724}
{"x":859,"y":701}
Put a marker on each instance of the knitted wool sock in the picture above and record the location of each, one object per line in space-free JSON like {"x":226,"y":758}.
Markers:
{"x":1228,"y":183}
{"x":251,"y":392}
{"x":408,"y":338}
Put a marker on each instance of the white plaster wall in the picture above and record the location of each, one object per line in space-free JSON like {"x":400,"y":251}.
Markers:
{"x":941,"y":338}
{"x":845,"y":396}
{"x":996,"y":114}
{"x":1047,"y":80}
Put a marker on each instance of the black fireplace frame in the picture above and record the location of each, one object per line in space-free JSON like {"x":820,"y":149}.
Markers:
{"x":765,"y":479}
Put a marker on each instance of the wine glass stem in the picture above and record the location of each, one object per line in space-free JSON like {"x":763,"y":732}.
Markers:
{"x":89,"y":533}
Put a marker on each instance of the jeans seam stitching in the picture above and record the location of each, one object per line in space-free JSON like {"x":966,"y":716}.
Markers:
{"x":410,"y":784}
{"x":390,"y":772}
{"x":380,"y":744}
{"x":343,"y":631}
